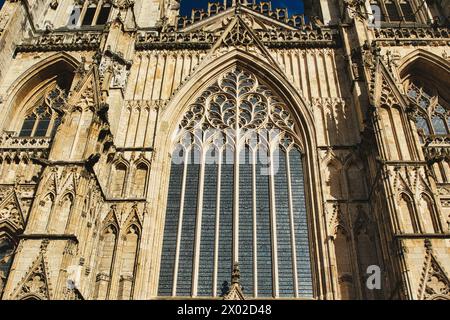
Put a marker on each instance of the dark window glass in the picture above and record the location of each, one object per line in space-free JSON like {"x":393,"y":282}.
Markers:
{"x":55,"y":126}
{"x":392,"y":11}
{"x":300,"y":225}
{"x":28,"y":125}
{"x":284,"y":245}
{"x":246,"y":222}
{"x":170,"y":230}
{"x":438,"y":125}
{"x":421,"y":123}
{"x":103,"y":15}
{"x":89,"y":16}
{"x":184,"y":280}
{"x":264,"y":240}
{"x":226,"y":223}
{"x":42,"y":126}
{"x":206,"y":264}
{"x":408,"y":12}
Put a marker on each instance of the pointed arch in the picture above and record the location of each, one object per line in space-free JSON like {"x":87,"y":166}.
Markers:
{"x":344,"y":267}
{"x":129,"y":259}
{"x":428,"y":214}
{"x":118,"y":178}
{"x":209,"y":71}
{"x":356,"y":182}
{"x":59,"y":68}
{"x":429,"y":66}
{"x":139,"y":180}
{"x":106,"y":261}
{"x":65,"y":206}
{"x":203,"y":78}
{"x":407,"y":217}
{"x":44,"y":209}
{"x":333,"y":177}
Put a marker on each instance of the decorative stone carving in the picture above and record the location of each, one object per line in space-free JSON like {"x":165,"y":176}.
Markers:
{"x":117,"y":66}
{"x":235,"y":290}
{"x":435,"y":284}
{"x":35,"y":284}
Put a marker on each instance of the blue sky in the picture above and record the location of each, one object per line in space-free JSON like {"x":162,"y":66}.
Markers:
{"x":1,"y":3}
{"x":294,"y":6}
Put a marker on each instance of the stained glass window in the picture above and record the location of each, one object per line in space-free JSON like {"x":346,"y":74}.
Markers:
{"x":238,"y":198}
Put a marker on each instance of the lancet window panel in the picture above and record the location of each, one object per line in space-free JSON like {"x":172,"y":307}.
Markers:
{"x":236,"y":189}
{"x":398,"y":10}
{"x":89,"y":13}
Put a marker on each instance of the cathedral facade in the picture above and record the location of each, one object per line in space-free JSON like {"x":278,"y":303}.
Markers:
{"x":241,"y":152}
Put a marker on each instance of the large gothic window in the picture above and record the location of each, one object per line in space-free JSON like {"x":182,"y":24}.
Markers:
{"x":236,"y":194}
{"x":433,"y":112}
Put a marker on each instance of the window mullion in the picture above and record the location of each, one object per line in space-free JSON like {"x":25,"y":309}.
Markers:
{"x":255,"y":239}
{"x":82,"y":13}
{"x":33,"y":131}
{"x":273,"y":224}
{"x":97,"y":12}
{"x":198,"y":226}
{"x":217,"y":226}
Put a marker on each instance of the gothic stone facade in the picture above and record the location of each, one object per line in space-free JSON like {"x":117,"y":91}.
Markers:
{"x":91,"y":110}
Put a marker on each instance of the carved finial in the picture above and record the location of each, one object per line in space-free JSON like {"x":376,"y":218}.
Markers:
{"x":236,"y":275}
{"x":428,"y":245}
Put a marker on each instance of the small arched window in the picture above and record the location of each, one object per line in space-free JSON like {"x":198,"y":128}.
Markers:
{"x":42,"y":120}
{"x":433,"y":112}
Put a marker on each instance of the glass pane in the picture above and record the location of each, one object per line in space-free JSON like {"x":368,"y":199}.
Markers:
{"x":170,"y":230}
{"x":89,"y":16}
{"x":408,"y":12}
{"x":392,"y":11}
{"x":55,"y":126}
{"x":264,"y":240}
{"x":300,"y":225}
{"x":246,"y":222}
{"x":438,"y":125}
{"x":226,"y":223}
{"x":284,"y":245}
{"x":103,"y":15}
{"x":27,"y":127}
{"x":186,"y":254}
{"x":206,"y":264}
{"x":42,"y":126}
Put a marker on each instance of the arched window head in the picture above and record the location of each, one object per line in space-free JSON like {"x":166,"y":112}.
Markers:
{"x":236,"y":189}
{"x":432,"y":110}
{"x":42,"y":120}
